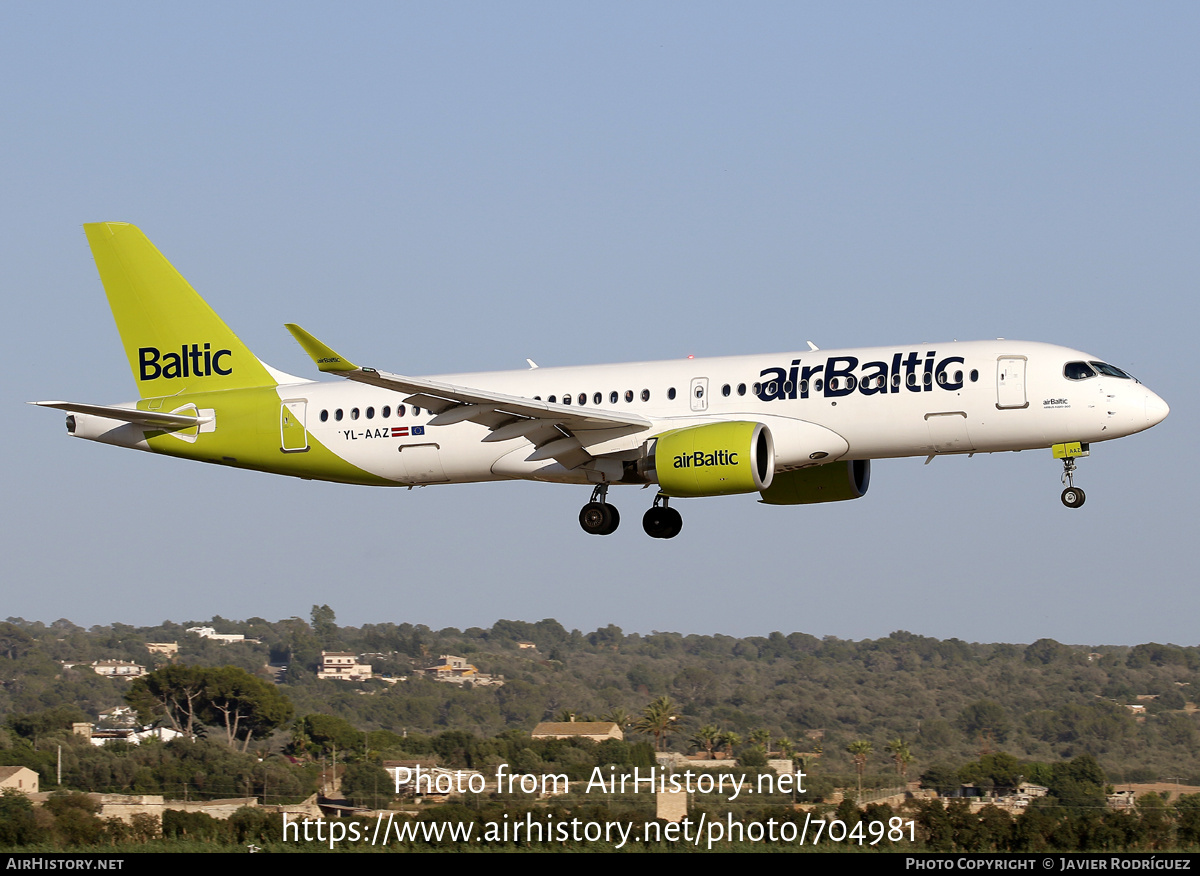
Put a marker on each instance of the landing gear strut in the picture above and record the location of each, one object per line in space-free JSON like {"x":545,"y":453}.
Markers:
{"x":662,"y":521}
{"x":1072,"y":496}
{"x":597,"y":516}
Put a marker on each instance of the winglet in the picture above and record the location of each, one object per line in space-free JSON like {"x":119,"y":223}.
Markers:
{"x":325,"y":357}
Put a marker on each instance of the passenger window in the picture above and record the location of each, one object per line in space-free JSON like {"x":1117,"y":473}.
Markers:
{"x":386,"y":412}
{"x":645,"y":395}
{"x":699,"y":392}
{"x":416,"y":411}
{"x":958,"y":377}
{"x":896,"y":380}
{"x":974,"y":375}
{"x":324,"y":416}
{"x":671,"y":393}
{"x":399,"y":410}
{"x":370,"y":413}
{"x":583,"y":398}
{"x":597,"y":398}
{"x":354,"y":413}
{"x":337,"y":415}
{"x":628,"y":395}
{"x":553,"y":399}
{"x":817,"y":384}
{"x":613,"y":397}
{"x":741,"y":389}
{"x":566,"y":399}
{"x":725,"y":390}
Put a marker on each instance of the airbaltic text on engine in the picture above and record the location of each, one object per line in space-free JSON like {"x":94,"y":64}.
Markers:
{"x":699,"y":459}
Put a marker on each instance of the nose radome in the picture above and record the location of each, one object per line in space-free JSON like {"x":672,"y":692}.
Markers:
{"x":1156,"y":409}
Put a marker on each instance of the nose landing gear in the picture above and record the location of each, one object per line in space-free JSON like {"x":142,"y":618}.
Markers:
{"x":597,"y":516}
{"x":1072,"y":496}
{"x":662,"y":521}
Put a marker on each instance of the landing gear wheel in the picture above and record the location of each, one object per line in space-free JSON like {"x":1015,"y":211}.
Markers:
{"x":1073,"y":497}
{"x":661,"y":521}
{"x":656,"y":522}
{"x":599,"y":518}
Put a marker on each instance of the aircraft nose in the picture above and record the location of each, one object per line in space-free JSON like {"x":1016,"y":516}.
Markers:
{"x":1156,"y":409}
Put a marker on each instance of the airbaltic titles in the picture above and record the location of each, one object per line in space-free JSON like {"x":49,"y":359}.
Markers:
{"x":840,"y":375}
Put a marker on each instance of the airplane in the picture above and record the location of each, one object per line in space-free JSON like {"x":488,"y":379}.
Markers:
{"x":797,"y":428}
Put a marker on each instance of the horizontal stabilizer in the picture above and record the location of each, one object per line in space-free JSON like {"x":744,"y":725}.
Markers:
{"x":151,"y":419}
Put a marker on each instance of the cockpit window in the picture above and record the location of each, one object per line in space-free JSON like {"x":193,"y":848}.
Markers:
{"x":1078,"y":371}
{"x":1110,"y":370}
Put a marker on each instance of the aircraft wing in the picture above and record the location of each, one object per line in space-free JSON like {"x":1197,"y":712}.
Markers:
{"x":560,"y":432}
{"x":149,"y":419}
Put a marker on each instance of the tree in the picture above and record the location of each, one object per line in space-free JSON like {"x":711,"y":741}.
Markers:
{"x":17,"y":823}
{"x":786,"y":747}
{"x":660,"y":720}
{"x":176,"y":692}
{"x":324,"y":624}
{"x":898,"y":749}
{"x":620,"y":717}
{"x":730,"y":740}
{"x":245,"y":706}
{"x":14,"y":641}
{"x":707,"y":738}
{"x":860,"y":750}
{"x":984,"y":717}
{"x":329,"y":733}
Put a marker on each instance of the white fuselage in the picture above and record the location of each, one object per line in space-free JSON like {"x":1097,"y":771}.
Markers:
{"x":865,"y":403}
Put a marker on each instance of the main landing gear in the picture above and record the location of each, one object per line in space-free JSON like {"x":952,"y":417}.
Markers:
{"x":597,"y":516}
{"x":1072,"y":496}
{"x":662,"y":521}
{"x":600,"y":518}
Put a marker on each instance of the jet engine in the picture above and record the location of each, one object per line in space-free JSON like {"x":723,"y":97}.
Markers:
{"x":834,"y":482}
{"x":717,"y":459}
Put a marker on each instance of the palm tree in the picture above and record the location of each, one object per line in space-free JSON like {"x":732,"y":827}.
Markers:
{"x":707,"y":737}
{"x":898,"y":749}
{"x":659,"y":719}
{"x":762,"y":737}
{"x":860,"y":750}
{"x":786,"y":747}
{"x":620,"y":717}
{"x":730,"y":740}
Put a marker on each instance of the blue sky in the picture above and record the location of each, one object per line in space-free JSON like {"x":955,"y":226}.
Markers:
{"x":452,"y":187}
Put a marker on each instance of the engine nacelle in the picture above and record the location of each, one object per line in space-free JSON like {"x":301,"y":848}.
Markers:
{"x":717,"y":459}
{"x":834,"y":482}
